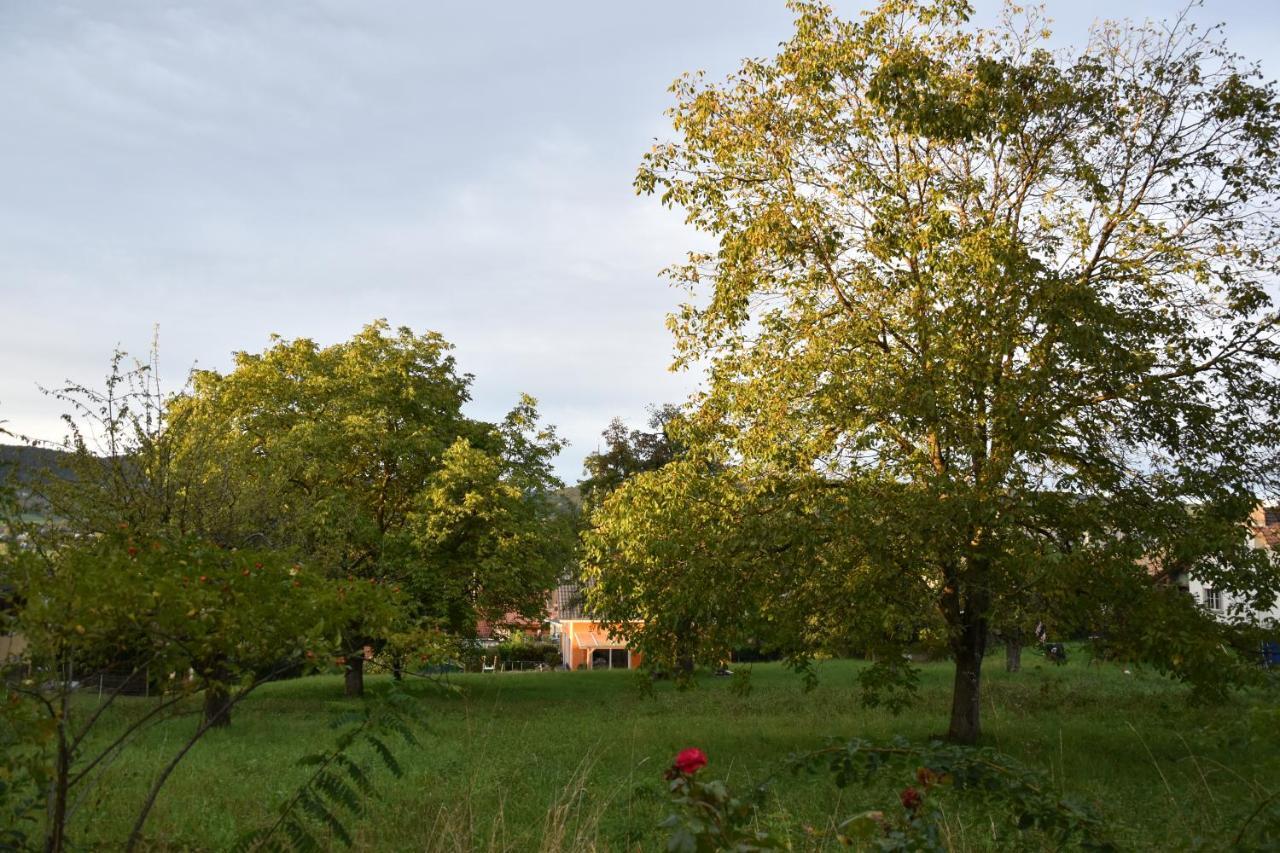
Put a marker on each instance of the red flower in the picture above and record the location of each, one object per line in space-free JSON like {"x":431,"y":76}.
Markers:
{"x":690,"y":761}
{"x":911,"y":799}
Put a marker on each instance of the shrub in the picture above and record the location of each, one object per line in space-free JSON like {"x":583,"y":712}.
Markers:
{"x":708,"y":816}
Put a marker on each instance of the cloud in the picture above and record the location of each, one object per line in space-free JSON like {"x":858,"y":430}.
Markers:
{"x":228,"y":170}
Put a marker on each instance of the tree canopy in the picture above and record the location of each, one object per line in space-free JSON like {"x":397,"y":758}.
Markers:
{"x":377,"y":474}
{"x":984,"y":321}
{"x":627,"y":452}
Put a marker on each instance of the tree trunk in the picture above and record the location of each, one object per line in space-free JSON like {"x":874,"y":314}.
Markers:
{"x":217,"y":698}
{"x":355,"y":674}
{"x":1013,"y":654}
{"x":217,"y":706}
{"x":966,"y":697}
{"x":55,"y":833}
{"x":684,"y":649}
{"x":684,"y":663}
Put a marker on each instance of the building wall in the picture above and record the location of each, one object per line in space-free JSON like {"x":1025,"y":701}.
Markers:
{"x":1225,"y":601}
{"x":12,"y":646}
{"x":574,"y":634}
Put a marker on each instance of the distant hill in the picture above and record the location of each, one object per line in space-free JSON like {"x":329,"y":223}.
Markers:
{"x":571,"y":495}
{"x":22,"y":465}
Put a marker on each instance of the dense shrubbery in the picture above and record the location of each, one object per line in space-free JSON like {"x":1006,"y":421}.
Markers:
{"x":518,"y":652}
{"x":524,"y":651}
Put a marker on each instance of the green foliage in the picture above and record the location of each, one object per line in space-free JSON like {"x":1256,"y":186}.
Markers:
{"x":1023,"y":794}
{"x":629,"y":452}
{"x":179,"y":605}
{"x":26,"y":740}
{"x":377,"y":474}
{"x":155,"y":610}
{"x":988,"y":334}
{"x":710,"y":818}
{"x":415,"y":648}
{"x":486,"y":546}
{"x":521,"y":649}
{"x":692,"y":556}
{"x":140,"y":577}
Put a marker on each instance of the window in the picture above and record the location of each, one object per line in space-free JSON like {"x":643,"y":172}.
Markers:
{"x":610,"y":659}
{"x":1212,"y":599}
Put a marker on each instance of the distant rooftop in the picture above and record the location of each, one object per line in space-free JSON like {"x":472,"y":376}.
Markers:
{"x":567,"y":602}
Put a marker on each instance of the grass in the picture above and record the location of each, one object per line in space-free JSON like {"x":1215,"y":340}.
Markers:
{"x":573,"y":761}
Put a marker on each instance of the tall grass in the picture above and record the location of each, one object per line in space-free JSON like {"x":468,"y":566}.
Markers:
{"x":574,"y":761}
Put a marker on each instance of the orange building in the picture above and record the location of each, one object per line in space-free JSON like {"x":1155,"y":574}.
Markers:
{"x":584,"y":642}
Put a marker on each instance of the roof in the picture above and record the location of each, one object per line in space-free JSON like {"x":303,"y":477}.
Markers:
{"x":567,"y":602}
{"x":486,"y":629}
{"x":1266,"y":527}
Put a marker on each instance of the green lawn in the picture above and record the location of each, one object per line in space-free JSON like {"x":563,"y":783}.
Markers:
{"x":573,"y":760}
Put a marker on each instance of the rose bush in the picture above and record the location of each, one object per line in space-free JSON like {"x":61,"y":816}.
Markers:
{"x":709,"y":817}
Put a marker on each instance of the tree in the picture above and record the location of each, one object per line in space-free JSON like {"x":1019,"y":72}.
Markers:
{"x":1010,"y":302}
{"x":152,"y":465}
{"x":628,"y":452}
{"x":489,"y":537}
{"x":354,"y":439}
{"x":142,"y":610}
{"x":155,"y":564}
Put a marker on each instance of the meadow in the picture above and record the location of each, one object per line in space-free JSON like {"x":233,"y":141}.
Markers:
{"x":574,"y":760}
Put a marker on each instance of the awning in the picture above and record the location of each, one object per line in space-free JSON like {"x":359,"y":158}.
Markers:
{"x":595,"y":640}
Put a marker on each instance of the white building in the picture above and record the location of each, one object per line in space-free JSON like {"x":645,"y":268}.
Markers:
{"x":1265,"y":533}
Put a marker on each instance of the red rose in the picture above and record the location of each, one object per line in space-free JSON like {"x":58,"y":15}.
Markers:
{"x":911,"y":799}
{"x":690,"y":761}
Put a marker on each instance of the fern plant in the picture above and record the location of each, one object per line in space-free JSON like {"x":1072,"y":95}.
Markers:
{"x":340,"y":786}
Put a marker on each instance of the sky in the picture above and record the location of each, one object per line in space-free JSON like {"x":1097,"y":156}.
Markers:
{"x":227,"y":170}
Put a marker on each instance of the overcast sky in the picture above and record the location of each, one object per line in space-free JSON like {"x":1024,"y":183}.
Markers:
{"x":226,"y":170}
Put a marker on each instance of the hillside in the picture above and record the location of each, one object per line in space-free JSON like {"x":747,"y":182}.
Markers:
{"x":23,"y":465}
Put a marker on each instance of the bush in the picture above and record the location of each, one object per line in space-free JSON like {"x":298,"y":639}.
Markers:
{"x":708,"y":816}
{"x":523,"y":651}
